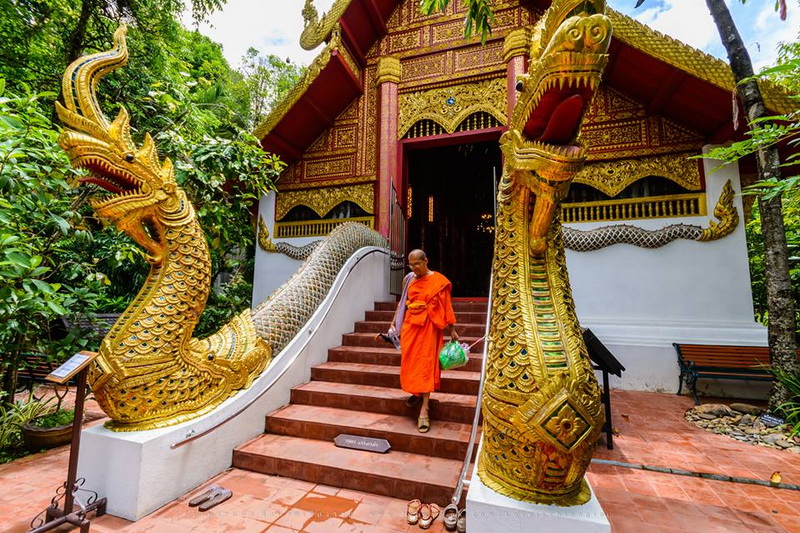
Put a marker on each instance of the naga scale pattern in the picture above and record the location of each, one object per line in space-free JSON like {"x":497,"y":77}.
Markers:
{"x":541,"y":403}
{"x":150,"y":371}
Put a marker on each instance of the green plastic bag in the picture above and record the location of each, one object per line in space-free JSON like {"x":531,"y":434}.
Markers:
{"x":453,"y":355}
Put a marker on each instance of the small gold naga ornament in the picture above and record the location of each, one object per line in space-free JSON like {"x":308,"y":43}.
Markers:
{"x":541,"y":404}
{"x":150,"y":372}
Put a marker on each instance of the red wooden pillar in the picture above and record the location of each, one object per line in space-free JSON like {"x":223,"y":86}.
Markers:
{"x":389,"y":172}
{"x":516,"y":48}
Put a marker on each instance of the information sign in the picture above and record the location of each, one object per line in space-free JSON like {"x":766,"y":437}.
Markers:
{"x":71,"y":366}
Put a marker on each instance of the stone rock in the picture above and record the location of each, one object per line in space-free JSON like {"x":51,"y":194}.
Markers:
{"x":716,"y":409}
{"x":783,"y":443}
{"x":707,"y":416}
{"x":752,"y":431}
{"x":773,"y":438}
{"x":747,"y":409}
{"x":794,"y":449}
{"x":746,"y":420}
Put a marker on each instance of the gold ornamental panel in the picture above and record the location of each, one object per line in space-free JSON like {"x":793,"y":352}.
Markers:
{"x":449,"y":106}
{"x":479,"y":58}
{"x":613,"y":177}
{"x":335,"y":166}
{"x":321,"y":201}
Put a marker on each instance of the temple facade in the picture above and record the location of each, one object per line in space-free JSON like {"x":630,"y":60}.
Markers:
{"x":396,"y":125}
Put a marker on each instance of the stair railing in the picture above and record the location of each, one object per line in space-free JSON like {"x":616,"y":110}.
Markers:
{"x":191,"y":436}
{"x":462,"y":481}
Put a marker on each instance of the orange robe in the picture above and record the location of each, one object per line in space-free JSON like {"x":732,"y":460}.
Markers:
{"x":428,"y":311}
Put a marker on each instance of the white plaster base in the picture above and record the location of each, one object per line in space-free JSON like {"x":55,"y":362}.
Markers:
{"x":138,"y":472}
{"x":490,"y":512}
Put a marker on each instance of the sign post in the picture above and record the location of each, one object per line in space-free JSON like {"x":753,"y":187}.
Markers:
{"x":76,"y":366}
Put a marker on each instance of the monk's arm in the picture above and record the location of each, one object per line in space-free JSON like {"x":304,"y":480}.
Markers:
{"x":450,"y":316}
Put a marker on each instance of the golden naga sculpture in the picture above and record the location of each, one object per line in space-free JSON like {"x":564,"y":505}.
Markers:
{"x":541,"y":404}
{"x":150,"y":372}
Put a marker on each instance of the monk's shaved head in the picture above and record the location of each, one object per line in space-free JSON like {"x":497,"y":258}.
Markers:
{"x":417,"y":254}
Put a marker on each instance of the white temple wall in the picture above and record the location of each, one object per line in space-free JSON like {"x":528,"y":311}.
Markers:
{"x":639,"y":301}
{"x":273,"y":269}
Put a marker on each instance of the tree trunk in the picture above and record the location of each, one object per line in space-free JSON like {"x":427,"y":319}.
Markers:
{"x":78,"y":34}
{"x":9,"y":382}
{"x":780,"y":300}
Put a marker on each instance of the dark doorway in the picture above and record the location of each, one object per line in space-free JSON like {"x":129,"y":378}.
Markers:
{"x":452,"y":211}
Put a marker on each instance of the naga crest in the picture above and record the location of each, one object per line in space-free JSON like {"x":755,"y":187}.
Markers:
{"x":541,"y":402}
{"x":542,"y":145}
{"x":139,"y":185}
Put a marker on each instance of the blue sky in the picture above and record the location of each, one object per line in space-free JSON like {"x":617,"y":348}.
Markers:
{"x":274,"y":26}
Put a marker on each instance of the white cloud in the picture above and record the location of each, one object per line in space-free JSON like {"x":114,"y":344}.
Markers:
{"x":274,"y":26}
{"x":269,"y":26}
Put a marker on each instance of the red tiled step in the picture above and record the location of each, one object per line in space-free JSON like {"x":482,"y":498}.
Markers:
{"x":396,"y":474}
{"x":443,"y":406}
{"x":444,"y":439}
{"x":464,"y":330}
{"x":384,"y":356}
{"x":458,"y":306}
{"x":463,"y":317}
{"x":368,"y":339}
{"x":453,"y":381}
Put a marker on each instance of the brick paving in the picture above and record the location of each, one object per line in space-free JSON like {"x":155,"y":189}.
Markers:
{"x":652,"y":431}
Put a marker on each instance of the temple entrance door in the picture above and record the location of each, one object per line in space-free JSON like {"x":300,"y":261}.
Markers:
{"x":452,"y":211}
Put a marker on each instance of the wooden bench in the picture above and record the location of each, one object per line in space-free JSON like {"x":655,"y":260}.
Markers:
{"x":35,"y":369}
{"x":721,"y":362}
{"x":37,"y":366}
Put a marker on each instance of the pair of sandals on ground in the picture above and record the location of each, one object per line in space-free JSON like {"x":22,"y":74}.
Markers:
{"x":424,"y":514}
{"x":213,"y":496}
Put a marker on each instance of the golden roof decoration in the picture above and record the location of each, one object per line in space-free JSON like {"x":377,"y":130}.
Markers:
{"x":694,"y":62}
{"x":316,"y":31}
{"x":321,"y":201}
{"x":295,"y":93}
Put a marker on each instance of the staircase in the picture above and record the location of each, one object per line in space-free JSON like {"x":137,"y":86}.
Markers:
{"x":357,"y":392}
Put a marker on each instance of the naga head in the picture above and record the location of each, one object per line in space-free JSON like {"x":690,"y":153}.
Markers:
{"x":542,"y":145}
{"x":137,"y":188}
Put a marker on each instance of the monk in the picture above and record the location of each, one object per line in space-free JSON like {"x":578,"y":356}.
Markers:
{"x":424,"y":313}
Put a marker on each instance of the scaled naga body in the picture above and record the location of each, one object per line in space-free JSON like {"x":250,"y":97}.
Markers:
{"x":150,"y":371}
{"x":541,"y":405}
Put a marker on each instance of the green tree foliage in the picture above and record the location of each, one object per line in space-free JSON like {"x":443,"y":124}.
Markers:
{"x":269,"y":78}
{"x":56,"y":258}
{"x":39,"y":280}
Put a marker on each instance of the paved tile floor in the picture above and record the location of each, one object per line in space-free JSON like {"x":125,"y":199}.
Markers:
{"x":652,"y":431}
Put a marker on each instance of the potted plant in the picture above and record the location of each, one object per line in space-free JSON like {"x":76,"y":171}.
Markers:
{"x":51,"y":429}
{"x":12,"y":418}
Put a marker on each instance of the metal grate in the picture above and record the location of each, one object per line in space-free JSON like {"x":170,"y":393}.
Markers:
{"x":679,"y":205}
{"x":316,"y":228}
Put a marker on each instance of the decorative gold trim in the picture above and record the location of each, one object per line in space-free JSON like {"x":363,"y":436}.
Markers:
{"x":517,"y":43}
{"x":263,"y":236}
{"x":691,"y":60}
{"x":613,"y":177}
{"x":323,"y":200}
{"x":669,"y":206}
{"x":316,"y":228}
{"x":726,"y":213}
{"x":389,"y":69}
{"x":294,"y":94}
{"x":349,"y":60}
{"x":316,"y":31}
{"x":449,"y":106}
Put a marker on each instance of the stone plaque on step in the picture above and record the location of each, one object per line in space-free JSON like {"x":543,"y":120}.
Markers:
{"x":356,"y":442}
